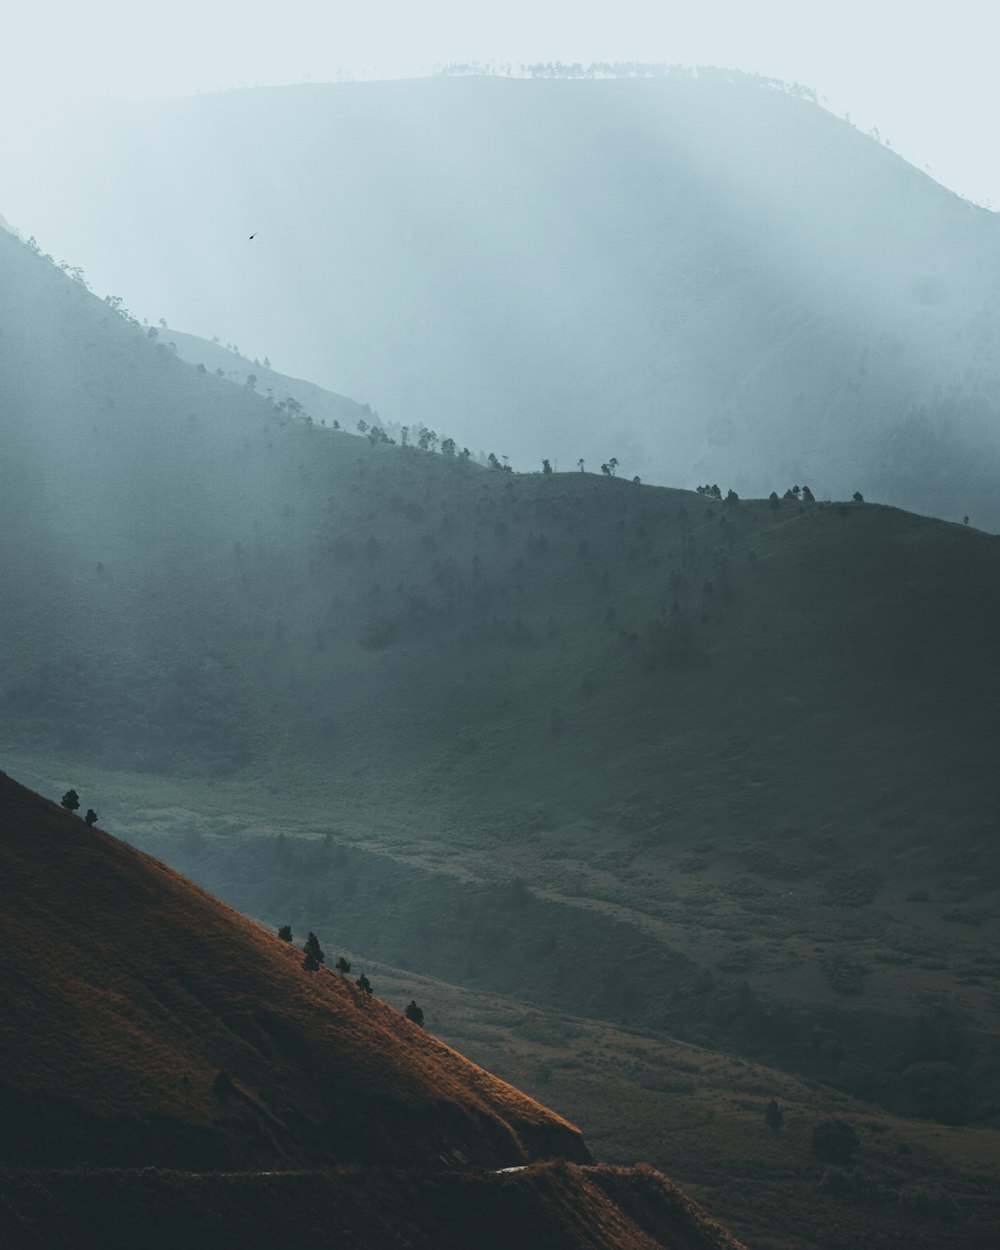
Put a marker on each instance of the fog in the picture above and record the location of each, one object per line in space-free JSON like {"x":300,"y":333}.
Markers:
{"x":923,"y":80}
{"x":678,"y":809}
{"x":706,"y":276}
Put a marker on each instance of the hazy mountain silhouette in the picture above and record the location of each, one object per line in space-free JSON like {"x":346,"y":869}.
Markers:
{"x":310,"y":401}
{"x":703,"y":276}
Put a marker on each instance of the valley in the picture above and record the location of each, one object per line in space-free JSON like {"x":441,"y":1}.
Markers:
{"x":664,"y":803}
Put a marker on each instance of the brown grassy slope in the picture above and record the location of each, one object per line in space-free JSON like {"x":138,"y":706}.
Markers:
{"x":699,"y":1115}
{"x":555,"y":1206}
{"x":126,"y":990}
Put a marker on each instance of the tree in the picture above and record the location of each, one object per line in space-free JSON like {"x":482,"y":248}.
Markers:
{"x":579,"y":464}
{"x":858,"y":497}
{"x":285,"y":933}
{"x":606,"y":470}
{"x":493,"y":462}
{"x":364,"y":985}
{"x":252,"y":381}
{"x":414,"y":1013}
{"x":223,"y":1084}
{"x":732,"y":497}
{"x":546,"y":468}
{"x":807,"y":495}
{"x":447,"y":447}
{"x":612,"y":465}
{"x":774,"y":1116}
{"x":362,"y":426}
{"x":91,"y":817}
{"x":343,"y":966}
{"x":70,"y":800}
{"x":835,"y":1141}
{"x":313,"y":954}
{"x":773,"y":499}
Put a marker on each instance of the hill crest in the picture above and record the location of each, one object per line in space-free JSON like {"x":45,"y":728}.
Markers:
{"x":115,"y":1039}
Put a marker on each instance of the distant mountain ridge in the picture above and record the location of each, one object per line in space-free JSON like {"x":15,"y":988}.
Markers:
{"x":311,"y":402}
{"x":702,"y":276}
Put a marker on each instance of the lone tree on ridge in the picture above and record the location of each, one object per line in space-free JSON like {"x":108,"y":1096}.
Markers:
{"x":313,"y":954}
{"x":70,"y":800}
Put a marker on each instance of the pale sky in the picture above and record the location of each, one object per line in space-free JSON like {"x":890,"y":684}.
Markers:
{"x":924,"y":74}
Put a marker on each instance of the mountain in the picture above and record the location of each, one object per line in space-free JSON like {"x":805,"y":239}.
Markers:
{"x":310,"y":400}
{"x":147,"y":1026}
{"x":514,"y":728}
{"x":165,"y":1029}
{"x":705,"y":276}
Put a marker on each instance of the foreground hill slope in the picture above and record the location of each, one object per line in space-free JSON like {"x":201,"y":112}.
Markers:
{"x":701,"y":275}
{"x":114,"y":1048}
{"x":114,"y":1044}
{"x":545,"y":1206}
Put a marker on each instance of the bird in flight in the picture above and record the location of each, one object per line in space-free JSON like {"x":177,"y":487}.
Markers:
{"x":253,"y":236}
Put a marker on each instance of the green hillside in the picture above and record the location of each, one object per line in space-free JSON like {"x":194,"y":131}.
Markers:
{"x":701,"y":275}
{"x":718,"y":770}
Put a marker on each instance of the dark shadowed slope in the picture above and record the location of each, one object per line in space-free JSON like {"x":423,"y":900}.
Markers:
{"x":544,"y":1207}
{"x":128,"y":990}
{"x":143,"y":1024}
{"x":703,"y":276}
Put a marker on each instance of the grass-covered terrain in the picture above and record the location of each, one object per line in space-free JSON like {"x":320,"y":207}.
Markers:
{"x":700,"y":1116}
{"x":175,"y":1075}
{"x":165,"y":1029}
{"x":714,"y":771}
{"x":555,"y":1206}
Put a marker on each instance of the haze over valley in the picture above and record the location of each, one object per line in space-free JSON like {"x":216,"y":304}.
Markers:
{"x":536,"y":535}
